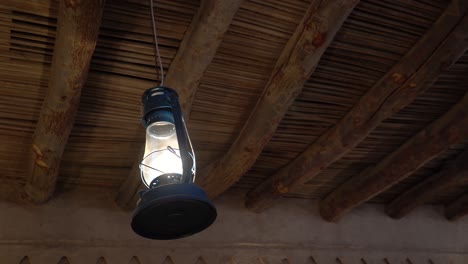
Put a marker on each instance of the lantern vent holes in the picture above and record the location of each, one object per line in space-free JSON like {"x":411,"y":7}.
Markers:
{"x":160,"y":116}
{"x":157,"y":93}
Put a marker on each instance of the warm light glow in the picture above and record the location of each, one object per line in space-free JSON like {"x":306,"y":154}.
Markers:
{"x":161,"y":152}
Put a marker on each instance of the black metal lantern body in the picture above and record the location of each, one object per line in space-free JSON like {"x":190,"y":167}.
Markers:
{"x":169,"y":157}
{"x":173,"y":206}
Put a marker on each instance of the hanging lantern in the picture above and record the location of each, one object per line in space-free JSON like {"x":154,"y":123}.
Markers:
{"x":172,"y":206}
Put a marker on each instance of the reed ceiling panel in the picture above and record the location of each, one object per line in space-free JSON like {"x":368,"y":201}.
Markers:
{"x":375,"y":37}
{"x":27,"y":34}
{"x":393,"y":132}
{"x":107,"y":134}
{"x":239,"y":72}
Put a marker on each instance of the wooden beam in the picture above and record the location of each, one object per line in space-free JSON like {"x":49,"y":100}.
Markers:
{"x":294,"y":66}
{"x":77,"y":32}
{"x":452,"y":174}
{"x":410,"y":76}
{"x":127,"y":195}
{"x":427,"y":144}
{"x":457,"y":209}
{"x":195,"y":53}
{"x":12,"y":191}
{"x":198,"y":48}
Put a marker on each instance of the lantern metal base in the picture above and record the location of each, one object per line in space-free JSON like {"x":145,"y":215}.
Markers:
{"x":173,"y":211}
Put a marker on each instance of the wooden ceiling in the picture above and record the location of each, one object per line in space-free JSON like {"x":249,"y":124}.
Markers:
{"x":345,"y":101}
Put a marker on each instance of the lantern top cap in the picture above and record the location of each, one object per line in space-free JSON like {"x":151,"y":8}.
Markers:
{"x":158,"y":101}
{"x":158,"y":90}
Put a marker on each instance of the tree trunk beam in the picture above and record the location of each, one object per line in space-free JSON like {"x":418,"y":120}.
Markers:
{"x":294,"y":66}
{"x":451,"y":175}
{"x":457,"y":209}
{"x":197,"y":50}
{"x":448,"y":130}
{"x":13,"y":192}
{"x":77,"y":33}
{"x":434,"y":52}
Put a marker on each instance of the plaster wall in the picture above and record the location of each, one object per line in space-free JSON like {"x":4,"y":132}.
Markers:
{"x":85,"y":225}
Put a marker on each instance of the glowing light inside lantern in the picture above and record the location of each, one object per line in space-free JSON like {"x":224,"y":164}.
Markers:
{"x":162,"y":155}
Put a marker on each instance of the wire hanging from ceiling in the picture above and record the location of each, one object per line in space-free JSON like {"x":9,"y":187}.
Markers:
{"x":156,"y":46}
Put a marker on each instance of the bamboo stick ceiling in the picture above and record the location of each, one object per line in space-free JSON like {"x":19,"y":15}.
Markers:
{"x":107,"y":136}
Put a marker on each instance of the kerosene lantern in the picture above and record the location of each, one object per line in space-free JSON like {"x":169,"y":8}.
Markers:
{"x":172,"y":206}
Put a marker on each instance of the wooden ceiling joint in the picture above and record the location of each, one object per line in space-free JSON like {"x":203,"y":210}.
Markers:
{"x":457,"y":209}
{"x":439,"y":48}
{"x":449,"y":129}
{"x":294,"y":66}
{"x":451,"y":175}
{"x":77,"y":33}
{"x":195,"y":53}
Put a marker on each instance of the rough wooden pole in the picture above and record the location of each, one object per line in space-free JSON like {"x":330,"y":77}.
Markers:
{"x":101,"y":260}
{"x":427,"y":144}
{"x":63,"y":260}
{"x":294,"y":66}
{"x":452,"y":174}
{"x":457,"y":209}
{"x":13,"y":192}
{"x":398,"y":88}
{"x":25,"y":260}
{"x":77,"y":33}
{"x":195,"y":53}
{"x":198,"y":48}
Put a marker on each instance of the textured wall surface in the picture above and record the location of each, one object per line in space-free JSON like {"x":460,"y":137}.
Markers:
{"x":82,"y":227}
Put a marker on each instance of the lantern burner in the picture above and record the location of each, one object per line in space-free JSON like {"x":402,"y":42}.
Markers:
{"x":167,"y":178}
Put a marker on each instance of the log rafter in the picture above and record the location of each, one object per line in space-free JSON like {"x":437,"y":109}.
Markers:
{"x":427,"y":144}
{"x":434,"y":52}
{"x":77,"y":32}
{"x":457,"y":209}
{"x":294,"y":66}
{"x":451,"y":175}
{"x":195,"y":53}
